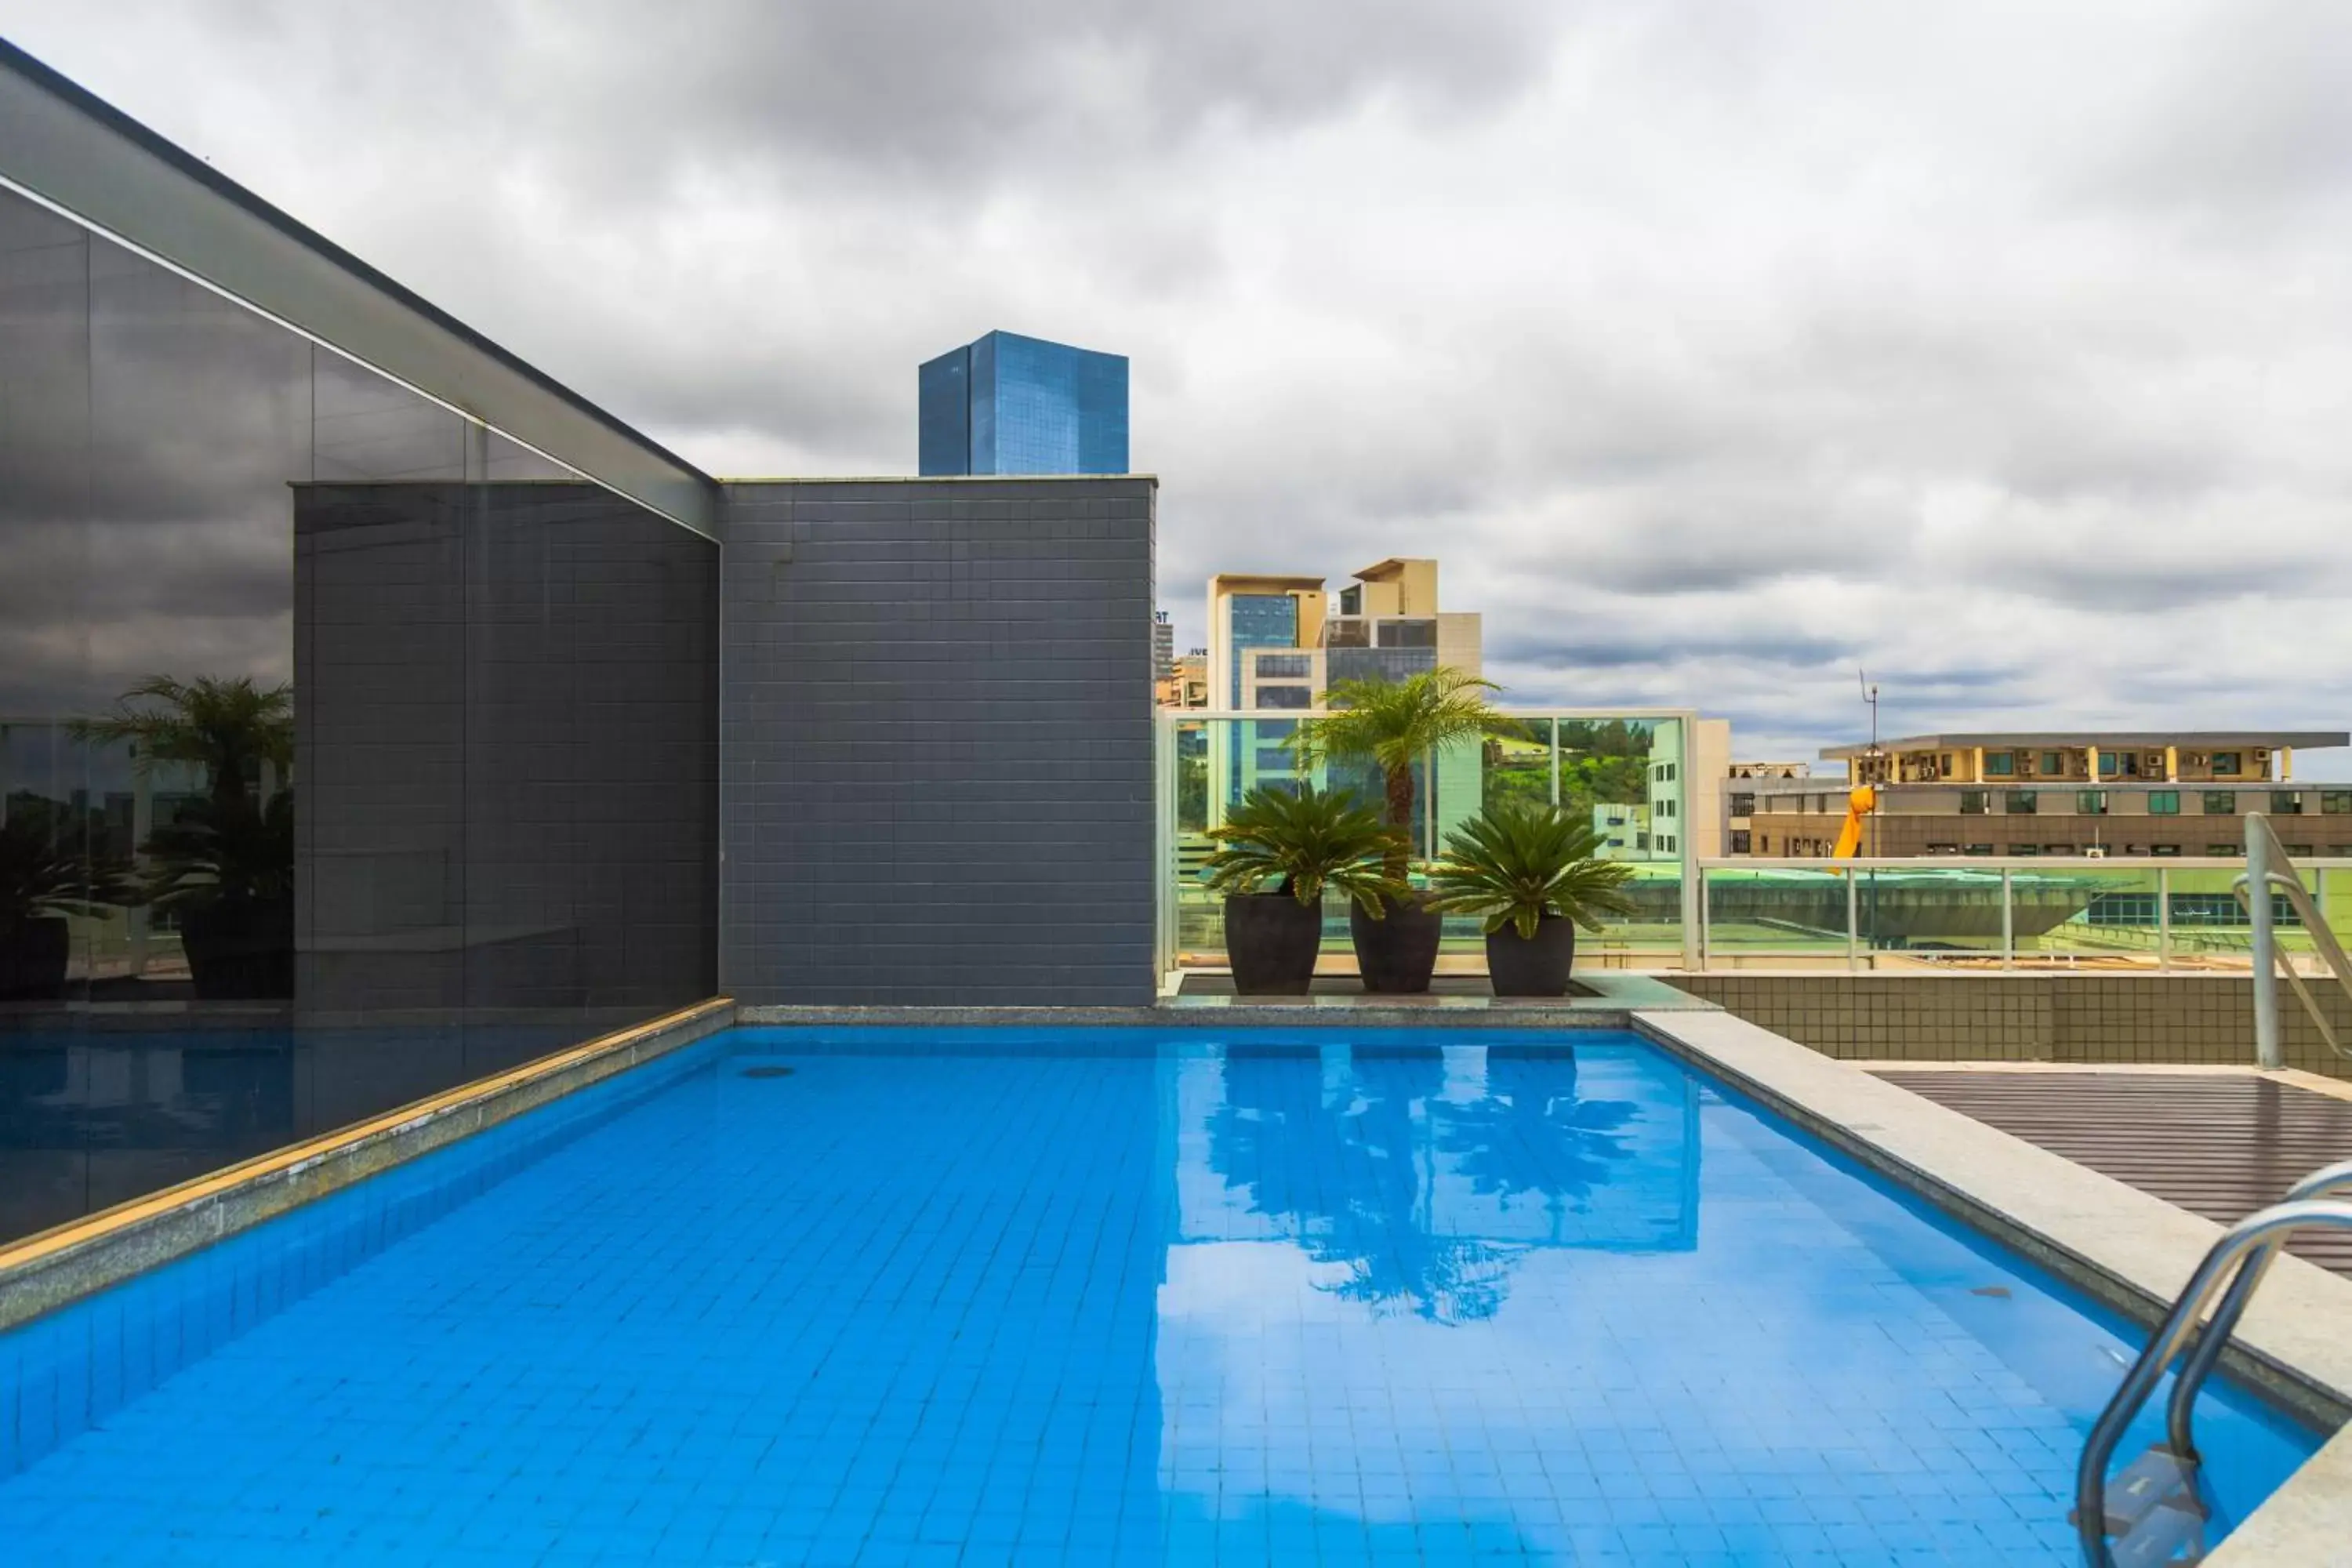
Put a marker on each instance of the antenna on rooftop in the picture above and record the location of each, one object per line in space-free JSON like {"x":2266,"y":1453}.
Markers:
{"x":1870,"y":695}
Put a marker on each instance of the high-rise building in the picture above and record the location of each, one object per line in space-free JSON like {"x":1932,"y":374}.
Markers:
{"x":1276,"y":642}
{"x":1010,"y":405}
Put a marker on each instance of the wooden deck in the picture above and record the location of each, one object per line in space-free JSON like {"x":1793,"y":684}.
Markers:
{"x":2218,"y":1144}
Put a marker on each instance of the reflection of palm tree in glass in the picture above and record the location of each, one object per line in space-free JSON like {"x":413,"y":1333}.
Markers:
{"x":1354,"y":1171}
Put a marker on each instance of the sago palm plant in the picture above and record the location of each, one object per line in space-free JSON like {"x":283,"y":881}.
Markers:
{"x":1304,"y":842}
{"x":227,"y":726}
{"x":1517,"y":861}
{"x":1394,"y":724}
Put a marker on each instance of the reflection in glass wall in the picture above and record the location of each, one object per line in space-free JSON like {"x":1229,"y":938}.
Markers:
{"x":347,"y":750}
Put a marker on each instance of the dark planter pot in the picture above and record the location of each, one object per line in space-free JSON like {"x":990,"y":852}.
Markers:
{"x":1271,"y":940}
{"x":1532,"y":966}
{"x":33,"y":956}
{"x":1397,"y":953}
{"x":240,"y":950}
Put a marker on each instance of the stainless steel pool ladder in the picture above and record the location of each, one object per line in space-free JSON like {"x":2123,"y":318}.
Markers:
{"x":2267,"y":866}
{"x":2151,"y":1511}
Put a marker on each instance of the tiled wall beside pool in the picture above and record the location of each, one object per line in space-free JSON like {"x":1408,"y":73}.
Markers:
{"x":64,"y":1373}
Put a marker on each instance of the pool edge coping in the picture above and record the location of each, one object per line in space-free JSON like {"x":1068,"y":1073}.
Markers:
{"x":2131,"y":1251}
{"x":53,"y":1269}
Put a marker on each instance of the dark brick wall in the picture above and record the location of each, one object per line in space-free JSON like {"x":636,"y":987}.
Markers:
{"x":935,"y":719}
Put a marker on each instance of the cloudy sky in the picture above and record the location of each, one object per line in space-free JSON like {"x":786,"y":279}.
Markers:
{"x":2002,"y":348}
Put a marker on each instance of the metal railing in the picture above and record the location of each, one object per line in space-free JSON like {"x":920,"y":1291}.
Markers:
{"x":2268,"y":868}
{"x":2242,"y":1257}
{"x":1958,"y":911}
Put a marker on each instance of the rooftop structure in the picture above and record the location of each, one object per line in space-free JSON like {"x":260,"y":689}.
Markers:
{"x":502,"y":1062}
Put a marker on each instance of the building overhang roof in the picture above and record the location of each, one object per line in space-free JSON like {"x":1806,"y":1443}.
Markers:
{"x":1261,"y":580}
{"x":2105,"y":740}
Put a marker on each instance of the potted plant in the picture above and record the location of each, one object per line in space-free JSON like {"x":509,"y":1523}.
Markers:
{"x":1527,"y":869}
{"x":225,"y":866}
{"x":1394,"y":724}
{"x":225,"y":872}
{"x":1302,"y":842}
{"x":40,"y":884}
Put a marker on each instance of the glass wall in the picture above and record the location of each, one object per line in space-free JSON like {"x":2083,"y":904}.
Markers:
{"x":348,"y":750}
{"x":2038,"y":912}
{"x":1603,"y":767}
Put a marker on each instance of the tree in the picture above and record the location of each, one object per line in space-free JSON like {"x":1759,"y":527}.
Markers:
{"x":1394,"y":724}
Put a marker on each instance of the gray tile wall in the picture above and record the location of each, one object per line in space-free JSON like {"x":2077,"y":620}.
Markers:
{"x":935,"y":722}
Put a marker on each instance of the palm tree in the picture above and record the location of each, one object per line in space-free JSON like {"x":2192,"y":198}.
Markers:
{"x":227,"y":726}
{"x":1394,"y":724}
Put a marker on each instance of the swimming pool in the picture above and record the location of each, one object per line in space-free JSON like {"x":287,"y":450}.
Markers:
{"x":1076,"y":1296}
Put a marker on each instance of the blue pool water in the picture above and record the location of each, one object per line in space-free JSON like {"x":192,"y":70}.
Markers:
{"x":937,"y":1297}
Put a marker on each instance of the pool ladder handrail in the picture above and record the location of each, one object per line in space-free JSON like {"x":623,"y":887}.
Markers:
{"x":2248,"y":1248}
{"x":2267,"y":864}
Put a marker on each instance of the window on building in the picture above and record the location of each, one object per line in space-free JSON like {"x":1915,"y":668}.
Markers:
{"x":2220,"y":803}
{"x":1276,"y":760}
{"x":1338,"y":633}
{"x":2286,"y":803}
{"x":2057,"y":849}
{"x":2090,"y":802}
{"x":1408,"y":634}
{"x":1973,"y":802}
{"x":1666,"y":808}
{"x":2054,"y":762}
{"x":2164,"y":803}
{"x":2225,"y":764}
{"x":2109,"y":764}
{"x":2163,"y":851}
{"x":1999,"y":764}
{"x":2299,"y":851}
{"x":1673,"y":772}
{"x":1666,"y":843}
{"x":2019,"y":802}
{"x":1976,"y":850}
{"x":1352,"y":600}
{"x":1285,"y":697}
{"x":1743,"y":805}
{"x":1943,"y":848}
{"x":1293,"y":664}
{"x":2025,"y":849}
{"x":2224,"y":851}
{"x":1944,"y":765}
{"x":2335,"y":802}
{"x":1640,"y":841}
{"x":1740,"y":839}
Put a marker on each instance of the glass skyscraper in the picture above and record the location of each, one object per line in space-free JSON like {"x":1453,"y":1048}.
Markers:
{"x":1010,"y":405}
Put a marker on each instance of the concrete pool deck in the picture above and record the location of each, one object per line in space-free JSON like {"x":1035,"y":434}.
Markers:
{"x":2125,"y":1246}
